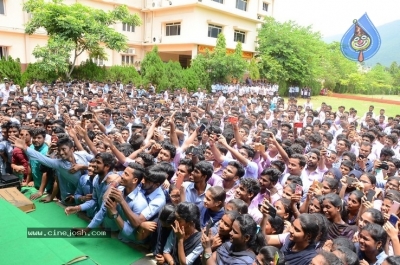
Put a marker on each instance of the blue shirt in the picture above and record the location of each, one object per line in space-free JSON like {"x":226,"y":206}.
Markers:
{"x":192,"y":196}
{"x":156,"y":200}
{"x":137,"y":203}
{"x":67,"y":181}
{"x":251,"y":170}
{"x":99,"y":188}
{"x":85,"y":186}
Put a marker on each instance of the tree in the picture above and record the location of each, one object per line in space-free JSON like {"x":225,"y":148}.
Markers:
{"x":173,"y":75}
{"x":218,"y":62}
{"x":201,"y":69}
{"x":152,"y":68}
{"x":236,"y":64}
{"x":10,"y":68}
{"x":379,"y":80}
{"x":124,"y":73}
{"x":74,"y":29}
{"x":289,"y":52}
{"x":254,"y":72}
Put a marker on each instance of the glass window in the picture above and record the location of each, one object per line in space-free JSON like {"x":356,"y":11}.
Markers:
{"x":3,"y":52}
{"x":239,"y":36}
{"x":241,"y":4}
{"x":214,"y":30}
{"x":2,"y":7}
{"x":219,"y":1}
{"x":128,"y":27}
{"x":265,"y":6}
{"x":127,"y":59}
{"x":173,"y":29}
{"x":98,"y":61}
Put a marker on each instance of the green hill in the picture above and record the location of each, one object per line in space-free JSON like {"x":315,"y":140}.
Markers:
{"x":390,"y":46}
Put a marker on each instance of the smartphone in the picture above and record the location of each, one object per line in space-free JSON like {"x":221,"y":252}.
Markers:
{"x":384,"y":166}
{"x":202,"y":128}
{"x":87,"y":116}
{"x":233,"y":120}
{"x":196,"y":151}
{"x":350,"y":180}
{"x":160,"y":121}
{"x":276,"y":258}
{"x":185,"y":114}
{"x":209,"y":225}
{"x":189,"y":150}
{"x":393,"y":219}
{"x":370,"y":195}
{"x":317,"y":184}
{"x":110,"y":92}
{"x":259,"y":148}
{"x":271,"y":209}
{"x":54,"y":138}
{"x":394,"y":208}
{"x":328,"y":153}
{"x":361,"y":156}
{"x":128,"y":93}
{"x":299,"y":189}
{"x":93,"y":104}
{"x":298,"y":125}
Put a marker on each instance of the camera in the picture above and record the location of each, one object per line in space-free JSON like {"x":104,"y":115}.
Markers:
{"x":384,"y":166}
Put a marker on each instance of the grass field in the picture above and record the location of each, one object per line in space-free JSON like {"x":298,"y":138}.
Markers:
{"x":360,"y":105}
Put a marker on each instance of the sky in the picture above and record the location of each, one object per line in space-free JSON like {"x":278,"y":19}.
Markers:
{"x":332,"y":17}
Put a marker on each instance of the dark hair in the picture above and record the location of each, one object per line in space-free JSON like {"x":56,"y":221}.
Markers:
{"x":276,"y":223}
{"x":138,"y":171}
{"x":205,"y":168}
{"x":279,"y":164}
{"x":273,"y":174}
{"x":332,"y":183}
{"x":147,"y":159}
{"x":250,"y":151}
{"x":240,"y":205}
{"x":167,"y":214}
{"x":309,"y":225}
{"x":329,"y":258}
{"x":377,"y":233}
{"x":155,"y":176}
{"x":268,"y":253}
{"x":218,"y":193}
{"x":65,"y":141}
{"x":170,"y":148}
{"x":14,"y":125}
{"x":342,"y":241}
{"x":39,"y":131}
{"x":301,"y":158}
{"x":251,"y":185}
{"x":136,"y":140}
{"x":240,"y":169}
{"x":248,"y":227}
{"x":370,"y":176}
{"x":188,"y":163}
{"x":393,"y":260}
{"x":348,"y":256}
{"x":108,"y":159}
{"x":190,"y":213}
{"x":347,"y":164}
{"x":323,"y":225}
{"x":376,"y":215}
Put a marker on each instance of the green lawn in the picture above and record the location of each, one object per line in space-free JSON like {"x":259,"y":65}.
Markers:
{"x":360,"y":105}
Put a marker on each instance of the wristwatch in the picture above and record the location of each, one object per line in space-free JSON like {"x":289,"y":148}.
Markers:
{"x":114,"y":216}
{"x":207,"y":255}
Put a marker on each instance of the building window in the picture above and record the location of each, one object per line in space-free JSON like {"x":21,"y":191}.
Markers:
{"x":239,"y":36}
{"x":98,"y":61}
{"x":2,"y":7}
{"x":127,"y":59}
{"x":173,"y":29}
{"x":214,"y":31}
{"x":127,"y":27}
{"x":3,"y":52}
{"x":241,"y":4}
{"x":219,"y":1}
{"x":265,"y":7}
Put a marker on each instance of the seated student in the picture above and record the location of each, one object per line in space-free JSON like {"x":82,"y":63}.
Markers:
{"x":213,"y":206}
{"x":195,"y":190}
{"x":84,"y":190}
{"x":241,"y":248}
{"x":184,"y":244}
{"x":126,"y":201}
{"x":248,"y":188}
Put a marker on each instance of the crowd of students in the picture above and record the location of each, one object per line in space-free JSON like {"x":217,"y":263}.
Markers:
{"x":211,"y":178}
